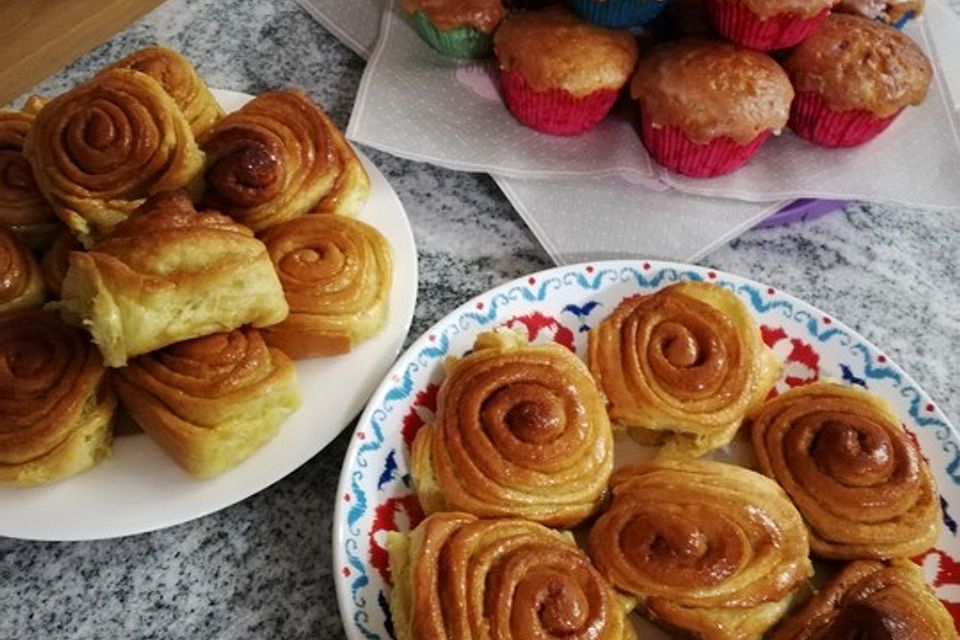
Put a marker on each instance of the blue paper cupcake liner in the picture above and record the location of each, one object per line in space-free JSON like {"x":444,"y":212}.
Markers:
{"x":619,"y":14}
{"x":907,"y":17}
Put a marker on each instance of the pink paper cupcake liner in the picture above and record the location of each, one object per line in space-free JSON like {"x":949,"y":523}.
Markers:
{"x":674,"y":150}
{"x":813,"y":120}
{"x":556,"y":111}
{"x":735,"y":22}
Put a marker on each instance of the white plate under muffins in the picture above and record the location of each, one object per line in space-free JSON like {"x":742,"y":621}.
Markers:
{"x":138,"y":488}
{"x":376,"y":494}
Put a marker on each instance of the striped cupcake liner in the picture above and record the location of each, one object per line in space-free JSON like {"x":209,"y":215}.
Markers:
{"x":556,"y":111}
{"x":813,"y":120}
{"x":462,"y":42}
{"x":737,"y":23}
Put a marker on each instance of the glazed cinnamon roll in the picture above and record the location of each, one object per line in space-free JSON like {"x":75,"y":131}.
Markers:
{"x":56,"y":407}
{"x":99,"y":150}
{"x":22,"y":207}
{"x":459,"y":578}
{"x":170,"y":274}
{"x":56,"y":261}
{"x":849,"y":466}
{"x":180,"y":80}
{"x":213,"y":401}
{"x":336,"y":275}
{"x":714,"y":550}
{"x":682,"y":366}
{"x":520,"y":430}
{"x":21,"y":282}
{"x":870,"y":600}
{"x":278,"y":158}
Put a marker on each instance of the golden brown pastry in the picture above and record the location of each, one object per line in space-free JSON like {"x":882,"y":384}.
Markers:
{"x":56,"y":406}
{"x":520,"y":430}
{"x":169,"y":274}
{"x":278,"y":158}
{"x":709,"y":549}
{"x":22,"y":206}
{"x":683,"y":364}
{"x":212,"y":401}
{"x":849,"y":466}
{"x":21,"y":282}
{"x":459,"y":578}
{"x":336,"y":275}
{"x":895,"y":12}
{"x":180,"y":80}
{"x":870,"y":600}
{"x":99,"y":150}
{"x":56,"y":261}
{"x":446,"y":15}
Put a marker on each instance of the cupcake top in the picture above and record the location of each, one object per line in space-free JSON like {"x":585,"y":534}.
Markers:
{"x":889,"y":11}
{"x":554,"y":49}
{"x":711,"y":89}
{"x":800,"y":8}
{"x":856,"y":63}
{"x":447,"y":15}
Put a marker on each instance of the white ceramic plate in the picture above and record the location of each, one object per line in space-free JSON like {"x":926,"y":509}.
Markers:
{"x":375,"y":496}
{"x":140,"y":489}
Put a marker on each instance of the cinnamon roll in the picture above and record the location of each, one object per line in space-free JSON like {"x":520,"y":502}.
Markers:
{"x":56,"y":407}
{"x":278,"y":158}
{"x":212,"y":401}
{"x":710,"y":549}
{"x":170,"y":274}
{"x":520,"y":430}
{"x":179,"y":79}
{"x":21,"y":283}
{"x":849,"y":466}
{"x":336,"y":274}
{"x":99,"y":150}
{"x":22,"y":207}
{"x":682,"y":366}
{"x":56,"y":261}
{"x":870,"y":600}
{"x":459,"y":578}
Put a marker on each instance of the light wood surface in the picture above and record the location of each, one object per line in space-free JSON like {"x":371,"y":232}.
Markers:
{"x":38,"y":37}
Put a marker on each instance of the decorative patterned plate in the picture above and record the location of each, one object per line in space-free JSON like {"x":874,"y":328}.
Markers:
{"x":562,"y":304}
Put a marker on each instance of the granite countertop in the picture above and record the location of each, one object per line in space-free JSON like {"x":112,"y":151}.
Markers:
{"x":262,"y":568}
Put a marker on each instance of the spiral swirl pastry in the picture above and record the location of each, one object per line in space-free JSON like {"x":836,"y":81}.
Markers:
{"x":99,"y":150}
{"x":709,"y":548}
{"x":21,"y":282}
{"x":459,"y":578}
{"x":56,"y":407}
{"x":682,"y":366}
{"x":520,"y":430}
{"x":851,"y":469}
{"x":871,"y":600}
{"x":179,"y":79}
{"x":212,"y":401}
{"x":336,"y":274}
{"x":278,"y":158}
{"x":56,"y":261}
{"x":22,"y":206}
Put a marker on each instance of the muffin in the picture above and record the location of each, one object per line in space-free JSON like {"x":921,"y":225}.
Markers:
{"x":619,"y":14}
{"x":896,"y":13}
{"x":706,"y":106}
{"x":559,"y":74}
{"x":766,"y":25}
{"x":853,"y":77}
{"x":457,"y":28}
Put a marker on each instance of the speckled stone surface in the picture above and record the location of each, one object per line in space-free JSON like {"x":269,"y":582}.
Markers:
{"x":262,"y":568}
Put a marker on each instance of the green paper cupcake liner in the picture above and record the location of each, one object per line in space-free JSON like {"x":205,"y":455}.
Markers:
{"x":462,"y":42}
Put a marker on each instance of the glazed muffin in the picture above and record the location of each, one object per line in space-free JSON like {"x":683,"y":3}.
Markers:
{"x":619,"y":14}
{"x":893,"y":12}
{"x":766,"y":25}
{"x":457,"y":28}
{"x":559,"y":74}
{"x":706,"y":106}
{"x":853,"y":77}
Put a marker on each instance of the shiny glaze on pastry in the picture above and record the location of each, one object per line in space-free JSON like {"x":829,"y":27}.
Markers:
{"x":336,"y":274}
{"x":711,"y":549}
{"x":683,"y":364}
{"x":56,"y":261}
{"x":520,"y":430}
{"x":849,"y":466}
{"x":21,"y":282}
{"x":447,"y":15}
{"x":710,"y":89}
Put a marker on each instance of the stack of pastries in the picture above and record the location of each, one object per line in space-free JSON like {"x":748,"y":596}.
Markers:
{"x":161,"y":258}
{"x":519,"y":454}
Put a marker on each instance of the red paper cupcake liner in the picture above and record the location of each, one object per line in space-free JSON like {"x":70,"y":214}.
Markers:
{"x":674,"y":150}
{"x":735,"y":22}
{"x":813,"y":120}
{"x":557,"y":112}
